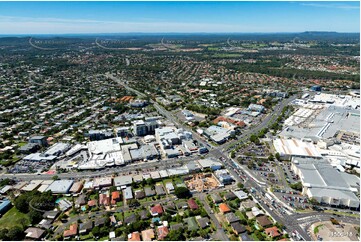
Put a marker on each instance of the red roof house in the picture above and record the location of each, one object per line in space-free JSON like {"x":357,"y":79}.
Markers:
{"x":192,"y":204}
{"x":156,"y":210}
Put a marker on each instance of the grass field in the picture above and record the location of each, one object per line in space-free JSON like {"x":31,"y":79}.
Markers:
{"x":213,"y":48}
{"x":14,"y":218}
{"x":317,"y":229}
{"x":342,"y":213}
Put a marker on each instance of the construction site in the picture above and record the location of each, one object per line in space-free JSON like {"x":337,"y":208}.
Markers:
{"x":201,"y":182}
{"x":122,"y":100}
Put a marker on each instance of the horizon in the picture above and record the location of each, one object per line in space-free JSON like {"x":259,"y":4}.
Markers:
{"x":84,"y":18}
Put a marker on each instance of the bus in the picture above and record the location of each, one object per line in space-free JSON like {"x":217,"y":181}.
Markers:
{"x":269,"y":197}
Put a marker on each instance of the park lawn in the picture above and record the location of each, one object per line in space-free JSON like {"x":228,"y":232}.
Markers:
{"x":14,"y":218}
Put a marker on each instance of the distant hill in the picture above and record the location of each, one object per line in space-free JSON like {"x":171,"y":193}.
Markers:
{"x":323,"y":36}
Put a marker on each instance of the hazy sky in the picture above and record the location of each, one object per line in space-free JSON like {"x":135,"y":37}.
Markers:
{"x":120,"y":17}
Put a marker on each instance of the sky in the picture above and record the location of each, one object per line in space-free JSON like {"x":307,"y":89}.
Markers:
{"x":181,"y":17}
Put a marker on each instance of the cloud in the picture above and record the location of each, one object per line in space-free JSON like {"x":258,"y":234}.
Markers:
{"x":331,"y":5}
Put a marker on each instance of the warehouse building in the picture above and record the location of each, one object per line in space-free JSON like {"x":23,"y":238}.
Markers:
{"x":39,"y":157}
{"x":57,"y":149}
{"x":288,"y":148}
{"x":325,"y":184}
{"x":60,"y":186}
{"x":325,"y":124}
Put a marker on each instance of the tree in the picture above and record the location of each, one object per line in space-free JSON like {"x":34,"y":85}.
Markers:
{"x":35,"y":216}
{"x":21,"y":204}
{"x":3,"y":234}
{"x":250,"y":164}
{"x":240,"y":185}
{"x":203,"y":233}
{"x":233,"y":154}
{"x":55,"y":177}
{"x":104,"y":231}
{"x":270,"y":157}
{"x":203,"y":213}
{"x":297,"y":186}
{"x":313,"y":201}
{"x":166,"y":217}
{"x":277,"y":155}
{"x":15,"y":234}
{"x":112,"y":189}
{"x":150,"y":181}
{"x":182,"y":192}
{"x":96,"y":231}
{"x":176,"y":235}
{"x":254,"y":139}
{"x":259,"y":235}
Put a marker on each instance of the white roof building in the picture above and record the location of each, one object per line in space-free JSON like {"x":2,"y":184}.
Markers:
{"x":163,"y":173}
{"x":209,"y":163}
{"x":155,"y":175}
{"x":123,"y":180}
{"x":169,"y":186}
{"x":324,"y":183}
{"x":60,"y":186}
{"x":58,"y":149}
{"x":127,"y":193}
{"x":32,"y":185}
{"x":292,"y":147}
{"x":102,"y":182}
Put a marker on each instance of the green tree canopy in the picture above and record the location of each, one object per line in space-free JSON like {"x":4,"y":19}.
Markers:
{"x":182,"y":192}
